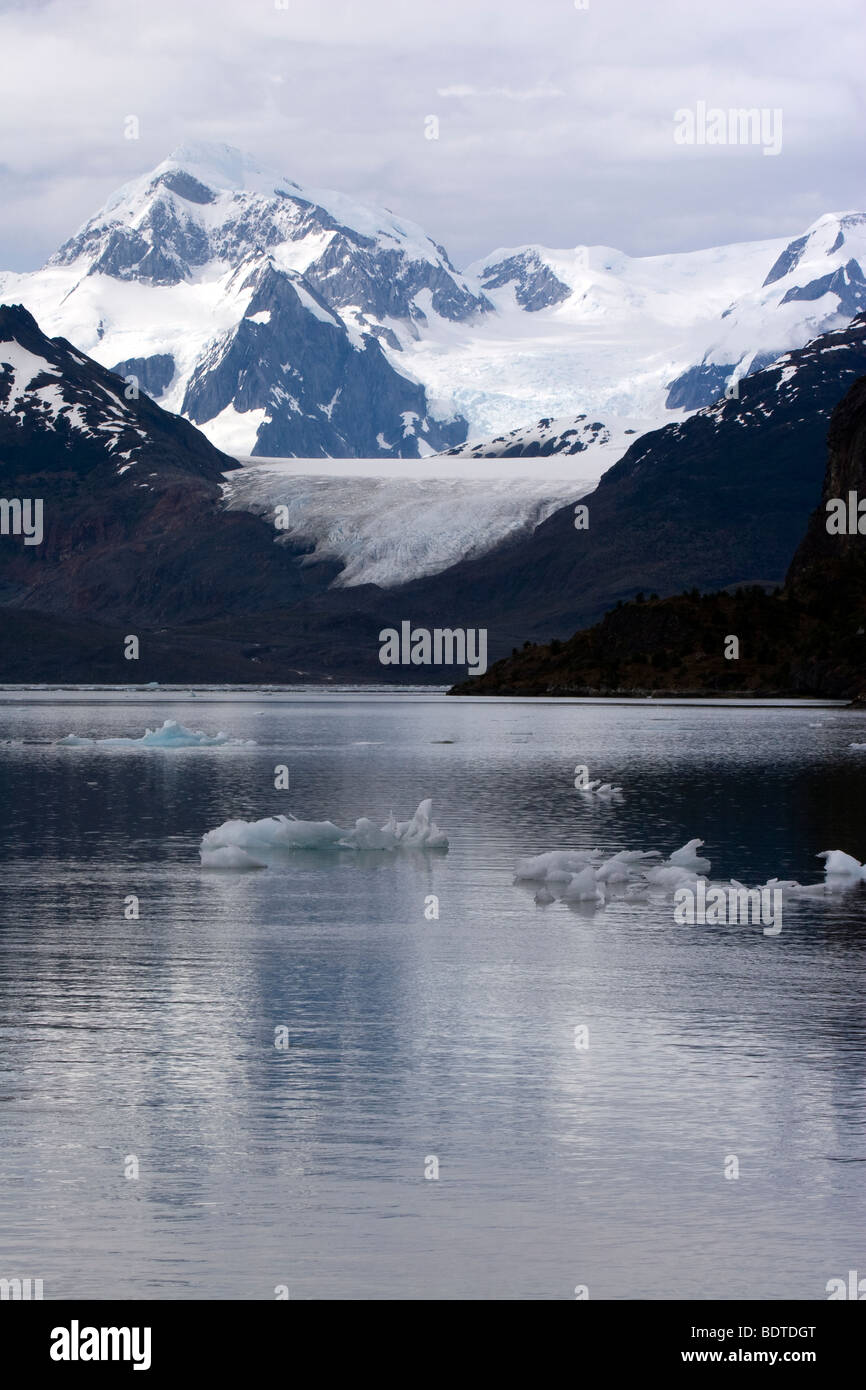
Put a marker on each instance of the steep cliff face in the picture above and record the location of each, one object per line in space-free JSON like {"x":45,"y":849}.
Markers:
{"x":832,"y":551}
{"x":808,"y":638}
{"x":827,"y":577}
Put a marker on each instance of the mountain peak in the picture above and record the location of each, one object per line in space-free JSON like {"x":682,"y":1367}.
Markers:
{"x":226,"y":168}
{"x":15,"y":320}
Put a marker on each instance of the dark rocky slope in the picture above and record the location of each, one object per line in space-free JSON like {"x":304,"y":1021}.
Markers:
{"x":134,"y":528}
{"x":807,"y":639}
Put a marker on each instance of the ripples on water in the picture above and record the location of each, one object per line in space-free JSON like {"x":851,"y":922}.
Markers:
{"x":412,"y":1038}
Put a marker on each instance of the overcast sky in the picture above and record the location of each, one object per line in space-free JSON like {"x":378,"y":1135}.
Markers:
{"x":555,"y":123}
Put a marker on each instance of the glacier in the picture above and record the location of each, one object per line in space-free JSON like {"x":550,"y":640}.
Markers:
{"x":389,"y":523}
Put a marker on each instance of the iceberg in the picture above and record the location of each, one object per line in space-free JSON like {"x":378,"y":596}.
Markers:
{"x":171,"y":735}
{"x":838,"y":864}
{"x":241,"y":844}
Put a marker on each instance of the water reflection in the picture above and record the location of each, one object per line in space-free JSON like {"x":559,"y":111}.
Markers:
{"x":411,"y":1037}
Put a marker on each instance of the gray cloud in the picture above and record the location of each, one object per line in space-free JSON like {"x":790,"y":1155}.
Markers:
{"x":555,"y":123}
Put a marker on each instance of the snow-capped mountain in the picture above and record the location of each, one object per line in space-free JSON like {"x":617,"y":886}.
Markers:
{"x":257,"y":308}
{"x":583,"y":331}
{"x":600,"y":444}
{"x":815,"y":285}
{"x":133,"y":525}
{"x":61,"y":412}
{"x":290,"y":321}
{"x":591,"y":331}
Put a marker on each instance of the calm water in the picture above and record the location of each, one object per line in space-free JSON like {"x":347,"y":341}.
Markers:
{"x":412,"y":1038}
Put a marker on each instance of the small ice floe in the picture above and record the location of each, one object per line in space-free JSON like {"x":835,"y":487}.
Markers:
{"x":583,"y":887}
{"x":588,"y":876}
{"x":171,"y":735}
{"x":230,"y":857}
{"x":242,"y":844}
{"x":688,"y":858}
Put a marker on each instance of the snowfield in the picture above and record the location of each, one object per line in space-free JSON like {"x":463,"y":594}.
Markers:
{"x":625,"y":327}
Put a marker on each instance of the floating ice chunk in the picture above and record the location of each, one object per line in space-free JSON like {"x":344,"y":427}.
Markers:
{"x":557,"y":864}
{"x":171,"y":735}
{"x":419,"y":832}
{"x":588,"y":876}
{"x":837,"y":862}
{"x":618,"y":869}
{"x":792,"y":889}
{"x":260,"y":838}
{"x":274,"y":832}
{"x":671,"y":876}
{"x":687,"y":858}
{"x":230,"y":857}
{"x":583,"y":887}
{"x":368,"y":835}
